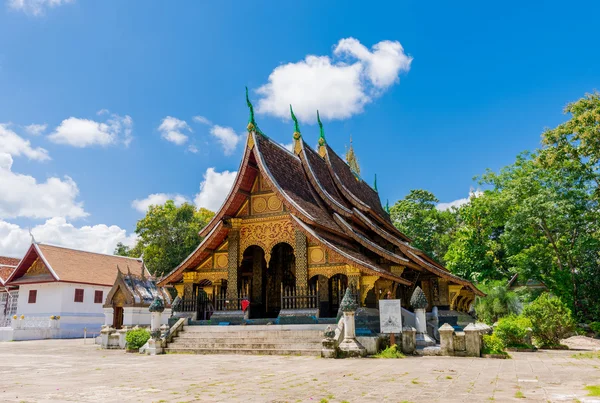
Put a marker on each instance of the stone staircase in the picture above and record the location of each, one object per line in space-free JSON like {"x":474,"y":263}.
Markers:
{"x":258,"y":339}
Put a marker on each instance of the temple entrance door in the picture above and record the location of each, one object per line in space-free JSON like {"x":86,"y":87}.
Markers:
{"x":251,"y":279}
{"x":337,"y":287}
{"x":280,"y":273}
{"x":204,"y":306}
{"x":117,"y":317}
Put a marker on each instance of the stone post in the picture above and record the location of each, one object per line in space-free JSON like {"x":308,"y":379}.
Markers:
{"x":447,"y":339}
{"x":156,"y":309}
{"x":419,"y":303}
{"x":104,"y":333}
{"x":409,"y":341}
{"x":472,"y":340}
{"x":108,"y":316}
{"x":122,"y":337}
{"x":350,"y":346}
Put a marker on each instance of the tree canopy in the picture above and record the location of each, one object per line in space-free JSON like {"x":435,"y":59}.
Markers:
{"x":167,"y":235}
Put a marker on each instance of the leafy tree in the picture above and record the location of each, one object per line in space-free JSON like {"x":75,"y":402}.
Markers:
{"x":430,"y":229}
{"x":499,"y":301}
{"x":166,"y":235}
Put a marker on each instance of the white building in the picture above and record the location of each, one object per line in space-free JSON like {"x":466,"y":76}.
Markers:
{"x":8,"y":295}
{"x":61,"y":292}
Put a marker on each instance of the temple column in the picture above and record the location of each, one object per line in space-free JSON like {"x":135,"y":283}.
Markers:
{"x":257,"y":273}
{"x":188,"y":285}
{"x":232,"y":261}
{"x":301,"y":255}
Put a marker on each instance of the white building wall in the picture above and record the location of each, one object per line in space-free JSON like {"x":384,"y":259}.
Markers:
{"x":58,"y":299}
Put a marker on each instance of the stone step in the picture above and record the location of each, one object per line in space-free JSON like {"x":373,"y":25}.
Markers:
{"x":217,"y":338}
{"x":275,"y":334}
{"x":244,"y":351}
{"x":246,"y":345}
{"x":256,"y":328}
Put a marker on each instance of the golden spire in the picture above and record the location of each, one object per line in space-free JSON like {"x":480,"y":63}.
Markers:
{"x":351,"y":159}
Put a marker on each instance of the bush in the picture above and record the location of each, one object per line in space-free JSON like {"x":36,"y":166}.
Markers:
{"x":390,"y":352}
{"x":551,"y":320}
{"x":137,"y":338}
{"x":595,"y":326}
{"x":512,"y":330}
{"x":492,"y":344}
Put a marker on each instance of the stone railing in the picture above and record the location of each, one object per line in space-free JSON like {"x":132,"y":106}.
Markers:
{"x":467,"y":343}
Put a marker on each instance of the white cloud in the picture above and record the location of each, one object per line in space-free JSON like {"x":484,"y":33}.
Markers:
{"x":201,"y":119}
{"x":227,"y":137}
{"x":214,"y":189}
{"x":36,"y":129}
{"x":13,"y":144}
{"x":35,"y":7}
{"x":193,"y":149}
{"x":23,"y":196}
{"x":459,"y":202}
{"x":171,"y":129}
{"x":82,"y":133}
{"x":336,"y":88}
{"x":154,"y":199}
{"x":14,"y":240}
{"x":289,"y":146}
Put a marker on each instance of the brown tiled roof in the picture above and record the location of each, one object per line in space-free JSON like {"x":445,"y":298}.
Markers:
{"x":5,"y":272}
{"x":77,"y":266}
{"x":9,"y":261}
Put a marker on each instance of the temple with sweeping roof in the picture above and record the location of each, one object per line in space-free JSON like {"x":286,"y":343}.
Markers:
{"x":297,"y":228}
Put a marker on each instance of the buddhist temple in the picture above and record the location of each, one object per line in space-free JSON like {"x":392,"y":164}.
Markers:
{"x":299,"y":227}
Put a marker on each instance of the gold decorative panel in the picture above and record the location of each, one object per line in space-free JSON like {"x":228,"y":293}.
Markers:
{"x":207,"y":263}
{"x":316,"y":255}
{"x":266,"y":234}
{"x":220,"y":260}
{"x":335,"y":258}
{"x":37,"y":268}
{"x":266,"y":203}
{"x":327,"y":271}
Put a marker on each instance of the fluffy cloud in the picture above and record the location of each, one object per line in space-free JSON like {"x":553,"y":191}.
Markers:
{"x":86,"y":133}
{"x":35,"y":7}
{"x":14,"y":240}
{"x":193,"y":149}
{"x":214,"y":189}
{"x":227,"y":137}
{"x":171,"y":129}
{"x":23,"y":196}
{"x":13,"y":144}
{"x":142,"y":205}
{"x":459,"y":202}
{"x":36,"y":129}
{"x":202,"y":119}
{"x":339,"y":87}
{"x":288,"y":146}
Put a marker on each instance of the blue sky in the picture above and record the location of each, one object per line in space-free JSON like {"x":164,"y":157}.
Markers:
{"x":455,"y":88}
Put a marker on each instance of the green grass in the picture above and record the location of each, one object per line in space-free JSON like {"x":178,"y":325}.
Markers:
{"x":390,"y":352}
{"x":589,"y":354}
{"x":519,"y":395}
{"x":448,"y":377}
{"x":324,"y":401}
{"x":594,"y":390}
{"x":414,"y":381}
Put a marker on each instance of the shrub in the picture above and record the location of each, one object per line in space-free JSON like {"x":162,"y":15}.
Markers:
{"x":498,"y":302}
{"x":551,"y":320}
{"x":492,"y":344}
{"x":512,"y":330}
{"x":137,"y":338}
{"x":390,"y":352}
{"x":595,"y":326}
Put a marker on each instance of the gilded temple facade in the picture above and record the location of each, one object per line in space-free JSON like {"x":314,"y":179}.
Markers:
{"x":296,"y":230}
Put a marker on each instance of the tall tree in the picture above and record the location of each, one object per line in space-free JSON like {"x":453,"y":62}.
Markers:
{"x":430,"y":229}
{"x":167,"y":234}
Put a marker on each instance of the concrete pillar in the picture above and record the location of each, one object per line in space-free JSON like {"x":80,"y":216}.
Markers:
{"x":447,"y":339}
{"x":472,"y":340}
{"x":350,"y":346}
{"x":108,"y":316}
{"x":409,"y":339}
{"x":421,"y":320}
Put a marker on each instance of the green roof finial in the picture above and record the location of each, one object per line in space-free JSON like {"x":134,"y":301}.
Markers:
{"x":387,"y":206}
{"x":375,"y":183}
{"x":297,"y":134}
{"x":252,"y":126}
{"x":321,"y":131}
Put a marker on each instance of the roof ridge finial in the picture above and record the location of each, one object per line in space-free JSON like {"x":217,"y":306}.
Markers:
{"x":352,"y":161}
{"x":375,"y":184}
{"x":387,"y":206}
{"x":252,"y":126}
{"x":322,"y":141}
{"x":31,"y":235}
{"x":297,"y":135}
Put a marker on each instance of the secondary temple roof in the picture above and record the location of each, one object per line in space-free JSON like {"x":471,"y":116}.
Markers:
{"x":327,"y":201}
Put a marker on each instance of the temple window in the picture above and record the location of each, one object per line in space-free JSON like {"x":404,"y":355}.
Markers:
{"x":98,"y":296}
{"x":79,"y":295}
{"x":32,"y":296}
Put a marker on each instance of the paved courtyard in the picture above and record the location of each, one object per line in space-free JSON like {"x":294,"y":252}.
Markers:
{"x":69,"y":370}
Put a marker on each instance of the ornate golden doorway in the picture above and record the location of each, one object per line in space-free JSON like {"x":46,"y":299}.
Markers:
{"x":281,"y":273}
